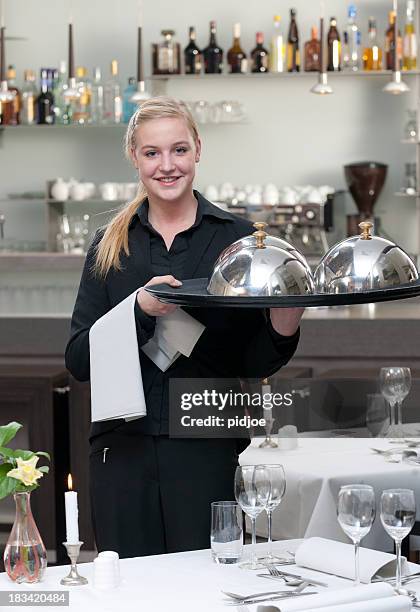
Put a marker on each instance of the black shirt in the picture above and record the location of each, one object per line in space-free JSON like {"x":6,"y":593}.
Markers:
{"x":236,"y":342}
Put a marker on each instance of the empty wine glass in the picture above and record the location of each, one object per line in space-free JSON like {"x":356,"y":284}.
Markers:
{"x":277,"y":491}
{"x":356,"y":513}
{"x":252,"y":491}
{"x":395,"y":383}
{"x":377,"y":415}
{"x":398,"y":515}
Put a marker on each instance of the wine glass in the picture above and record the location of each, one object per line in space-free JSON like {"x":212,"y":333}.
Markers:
{"x":395,"y":383}
{"x":277,"y":491}
{"x":356,"y":513}
{"x":398,"y":515}
{"x":252,"y":491}
{"x":377,"y":415}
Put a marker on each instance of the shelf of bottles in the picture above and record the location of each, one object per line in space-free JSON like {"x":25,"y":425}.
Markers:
{"x":343,"y":53}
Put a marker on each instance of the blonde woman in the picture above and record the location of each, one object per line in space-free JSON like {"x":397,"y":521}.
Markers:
{"x":152,"y":494}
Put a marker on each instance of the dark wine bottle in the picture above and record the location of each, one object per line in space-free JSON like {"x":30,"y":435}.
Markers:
{"x":334,"y":47}
{"x":293,"y":53}
{"x":259,"y":55}
{"x":192,"y":55}
{"x":213,"y":54}
{"x":45,"y":100}
{"x":236,"y":56}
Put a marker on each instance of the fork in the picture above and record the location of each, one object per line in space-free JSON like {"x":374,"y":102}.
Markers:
{"x":275,"y":573}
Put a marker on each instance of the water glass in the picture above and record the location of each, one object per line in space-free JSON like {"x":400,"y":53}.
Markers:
{"x":398,"y":515}
{"x":377,"y":415}
{"x":356,"y":513}
{"x":252,"y":491}
{"x":226,"y":535}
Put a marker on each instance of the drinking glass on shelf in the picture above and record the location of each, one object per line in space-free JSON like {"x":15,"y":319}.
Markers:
{"x":226,"y":532}
{"x":356,"y":513}
{"x":277,"y":491}
{"x":252,"y":491}
{"x":398,"y":515}
{"x":377,"y":415}
{"x":395,"y":383}
{"x":410,"y":129}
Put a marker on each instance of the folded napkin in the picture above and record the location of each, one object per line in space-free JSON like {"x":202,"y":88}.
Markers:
{"x":379,"y":597}
{"x":338,"y":558}
{"x":175,"y":334}
{"x":115,"y":375}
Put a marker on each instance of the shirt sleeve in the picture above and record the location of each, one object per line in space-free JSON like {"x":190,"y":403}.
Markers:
{"x":92,"y":303}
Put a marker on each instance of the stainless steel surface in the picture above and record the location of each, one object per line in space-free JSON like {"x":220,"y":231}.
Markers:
{"x":364,"y":263}
{"x":258,"y":266}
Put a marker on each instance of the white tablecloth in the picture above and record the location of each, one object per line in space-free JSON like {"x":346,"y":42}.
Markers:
{"x":181,"y":582}
{"x":315,"y":471}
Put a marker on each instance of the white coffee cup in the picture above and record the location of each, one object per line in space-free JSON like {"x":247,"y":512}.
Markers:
{"x":111,"y":554}
{"x":109,"y":191}
{"x":77,"y":192}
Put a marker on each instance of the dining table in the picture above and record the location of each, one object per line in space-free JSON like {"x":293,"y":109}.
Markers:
{"x":178,"y":582}
{"x":317,"y":468}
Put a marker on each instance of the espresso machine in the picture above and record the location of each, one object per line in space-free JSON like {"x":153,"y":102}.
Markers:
{"x":365,"y":181}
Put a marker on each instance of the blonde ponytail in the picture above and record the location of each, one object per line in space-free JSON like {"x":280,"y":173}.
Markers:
{"x":115,"y":237}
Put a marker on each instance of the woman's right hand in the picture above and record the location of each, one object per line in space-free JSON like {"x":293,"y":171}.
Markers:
{"x":151,"y":305}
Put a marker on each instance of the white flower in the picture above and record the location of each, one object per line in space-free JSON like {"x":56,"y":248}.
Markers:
{"x":26,"y":471}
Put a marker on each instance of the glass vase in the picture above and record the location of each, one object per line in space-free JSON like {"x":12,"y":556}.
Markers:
{"x":25,"y":557}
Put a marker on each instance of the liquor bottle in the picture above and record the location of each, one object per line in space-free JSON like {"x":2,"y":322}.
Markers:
{"x":62,"y":107}
{"x":372,"y":54}
{"x":97,"y":98}
{"x":390,"y":45}
{"x":192,"y":55}
{"x":113,"y":97}
{"x":81,"y":104}
{"x":334,"y":47}
{"x":410,"y":40}
{"x":293,"y":55}
{"x":12,"y":110}
{"x":236,"y":57}
{"x":166,"y":54}
{"x":45,"y":100}
{"x":29,"y":95}
{"x":313,"y":52}
{"x":213,"y":54}
{"x":129,"y":108}
{"x":259,"y":55}
{"x":353,"y":41}
{"x":277,"y":48}
{"x":345,"y":52}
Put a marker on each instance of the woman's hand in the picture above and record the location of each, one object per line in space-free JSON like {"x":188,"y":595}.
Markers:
{"x":151,"y":305}
{"x":286,"y":320}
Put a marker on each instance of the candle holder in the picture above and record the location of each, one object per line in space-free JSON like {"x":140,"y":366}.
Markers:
{"x":73,"y":578}
{"x":268,"y":442}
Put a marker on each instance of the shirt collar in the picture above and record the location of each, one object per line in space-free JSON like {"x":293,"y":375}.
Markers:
{"x":204,"y":209}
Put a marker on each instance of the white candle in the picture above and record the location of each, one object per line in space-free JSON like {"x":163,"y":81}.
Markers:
{"x":2,"y":13}
{"x":267,"y":408}
{"x":71,"y":12}
{"x":72,"y":515}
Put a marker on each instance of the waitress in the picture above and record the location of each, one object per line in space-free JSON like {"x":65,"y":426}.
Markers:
{"x":151,"y":494}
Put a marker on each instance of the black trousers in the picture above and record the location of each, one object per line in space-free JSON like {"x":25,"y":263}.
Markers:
{"x":152,"y":494}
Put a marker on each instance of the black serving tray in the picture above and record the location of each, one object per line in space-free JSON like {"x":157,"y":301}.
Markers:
{"x":193,"y":292}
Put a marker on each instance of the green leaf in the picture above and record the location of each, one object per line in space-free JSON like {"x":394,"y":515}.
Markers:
{"x":7,"y":452}
{"x":8,"y":432}
{"x":21,"y":488}
{"x":43,"y":454}
{"x":44,"y":468}
{"x":24,"y":454}
{"x":7,"y":485}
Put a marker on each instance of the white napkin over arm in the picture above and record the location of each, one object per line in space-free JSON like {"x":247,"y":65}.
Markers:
{"x":115,"y":374}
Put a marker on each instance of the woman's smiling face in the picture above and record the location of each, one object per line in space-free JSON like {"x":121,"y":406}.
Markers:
{"x":165,"y":155}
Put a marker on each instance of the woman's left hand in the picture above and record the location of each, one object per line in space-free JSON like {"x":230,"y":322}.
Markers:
{"x":286,"y":320}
